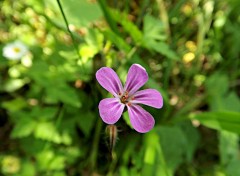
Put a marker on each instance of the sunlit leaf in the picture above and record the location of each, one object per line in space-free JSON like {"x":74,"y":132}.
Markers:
{"x":24,"y":127}
{"x":220,"y":120}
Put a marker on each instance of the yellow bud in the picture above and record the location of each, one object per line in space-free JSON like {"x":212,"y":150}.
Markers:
{"x":188,"y":57}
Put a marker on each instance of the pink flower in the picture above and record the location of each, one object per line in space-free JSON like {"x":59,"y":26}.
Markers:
{"x":111,"y":109}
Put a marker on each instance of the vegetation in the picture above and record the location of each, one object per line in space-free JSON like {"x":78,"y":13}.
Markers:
{"x":49,"y":95}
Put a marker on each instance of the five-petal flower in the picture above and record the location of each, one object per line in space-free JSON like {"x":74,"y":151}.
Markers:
{"x":15,"y":50}
{"x":111,"y":109}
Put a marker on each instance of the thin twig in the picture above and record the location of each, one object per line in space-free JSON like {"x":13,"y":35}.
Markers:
{"x":71,"y":34}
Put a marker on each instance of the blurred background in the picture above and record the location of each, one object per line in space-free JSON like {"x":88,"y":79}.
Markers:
{"x":50,"y":52}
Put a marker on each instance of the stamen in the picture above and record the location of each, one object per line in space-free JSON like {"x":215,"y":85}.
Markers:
{"x":129,"y":104}
{"x":124,"y":99}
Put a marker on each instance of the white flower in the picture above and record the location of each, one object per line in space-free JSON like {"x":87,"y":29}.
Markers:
{"x":15,"y":50}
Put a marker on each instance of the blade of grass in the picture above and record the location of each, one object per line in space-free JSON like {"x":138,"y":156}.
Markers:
{"x":108,"y":17}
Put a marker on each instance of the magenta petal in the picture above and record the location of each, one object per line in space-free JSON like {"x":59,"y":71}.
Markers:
{"x":109,"y":80}
{"x":150,"y":97}
{"x":141,"y":120}
{"x":136,"y":78}
{"x":110,"y":110}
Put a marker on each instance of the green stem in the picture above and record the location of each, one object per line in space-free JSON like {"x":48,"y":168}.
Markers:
{"x":112,"y":165}
{"x":164,"y":17}
{"x":204,"y":20}
{"x":68,"y":29}
{"x":112,"y":24}
{"x":96,"y":138}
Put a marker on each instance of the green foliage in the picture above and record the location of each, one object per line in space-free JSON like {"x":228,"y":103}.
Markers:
{"x":49,"y":117}
{"x":221,"y":120}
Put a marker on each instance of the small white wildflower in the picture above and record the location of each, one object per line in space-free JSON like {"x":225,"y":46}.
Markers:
{"x":15,"y":50}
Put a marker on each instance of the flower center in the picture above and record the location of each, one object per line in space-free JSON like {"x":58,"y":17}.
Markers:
{"x":124,"y":98}
{"x":16,"y":49}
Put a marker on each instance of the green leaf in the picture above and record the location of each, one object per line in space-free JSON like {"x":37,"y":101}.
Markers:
{"x":15,"y":104}
{"x":162,"y":48}
{"x":233,"y":168}
{"x":229,"y":152}
{"x":86,"y":122}
{"x":78,"y":13}
{"x":192,"y":136}
{"x":118,"y":41}
{"x":23,"y":127}
{"x":128,"y":25}
{"x":216,"y":87}
{"x":231,"y":102}
{"x":228,"y":146}
{"x":154,"y":158}
{"x":36,"y":144}
{"x":27,"y":168}
{"x":220,"y":120}
{"x":174,"y":149}
{"x":48,"y":160}
{"x":154,"y":36}
{"x":14,"y":84}
{"x":47,"y":131}
{"x":64,"y":93}
{"x":153,"y":29}
{"x":60,"y":173}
